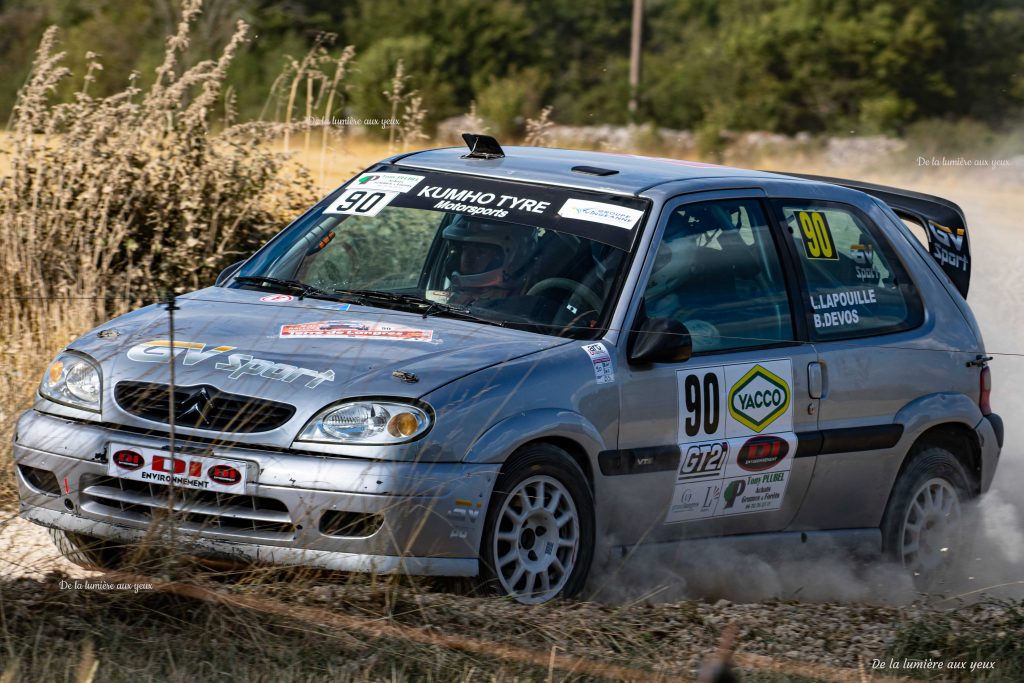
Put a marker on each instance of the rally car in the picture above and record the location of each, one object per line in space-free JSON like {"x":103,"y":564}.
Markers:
{"x":507,"y":364}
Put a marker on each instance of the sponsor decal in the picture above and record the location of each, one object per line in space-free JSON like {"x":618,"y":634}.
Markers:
{"x":481,"y":202}
{"x":703,"y":460}
{"x":387,"y":182}
{"x":604,"y":373}
{"x":753,"y":493}
{"x":694,"y":500}
{"x":758,"y":398}
{"x":208,"y":473}
{"x":947,"y":246}
{"x":600,"y":212}
{"x":224,"y":474}
{"x":237,"y":365}
{"x":277,"y":298}
{"x":336,"y":307}
{"x":129,"y":460}
{"x":762,"y":453}
{"x":355,"y":329}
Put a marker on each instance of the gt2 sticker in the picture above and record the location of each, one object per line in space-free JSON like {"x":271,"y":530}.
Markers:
{"x":238,"y":364}
{"x":604,"y":373}
{"x":818,"y":242}
{"x":741,"y":399}
{"x":355,"y":329}
{"x":736,"y":476}
{"x":360,"y":202}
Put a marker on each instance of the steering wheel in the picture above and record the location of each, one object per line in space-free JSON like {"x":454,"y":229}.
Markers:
{"x":577,"y":289}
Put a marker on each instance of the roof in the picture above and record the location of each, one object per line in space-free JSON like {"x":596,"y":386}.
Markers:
{"x":554,"y":166}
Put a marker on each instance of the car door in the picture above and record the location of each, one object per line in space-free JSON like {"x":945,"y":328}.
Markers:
{"x":866,"y":318}
{"x":707,"y":446}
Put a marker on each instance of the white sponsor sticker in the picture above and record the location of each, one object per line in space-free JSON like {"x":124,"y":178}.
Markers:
{"x":277,"y":298}
{"x":753,"y":493}
{"x":604,"y":373}
{"x":360,"y":202}
{"x":203,"y":472}
{"x":355,"y":329}
{"x":708,"y":470}
{"x":599,"y":212}
{"x":387,"y":182}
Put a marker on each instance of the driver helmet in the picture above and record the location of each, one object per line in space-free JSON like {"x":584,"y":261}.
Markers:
{"x":487,"y":253}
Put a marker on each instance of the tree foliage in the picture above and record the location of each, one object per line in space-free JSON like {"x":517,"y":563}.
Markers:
{"x":781,"y":65}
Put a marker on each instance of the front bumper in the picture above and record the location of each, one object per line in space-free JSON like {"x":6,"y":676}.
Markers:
{"x":415,"y":518}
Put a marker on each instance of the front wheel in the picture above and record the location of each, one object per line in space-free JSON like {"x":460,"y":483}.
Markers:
{"x":923,"y":528}
{"x":539,"y":536}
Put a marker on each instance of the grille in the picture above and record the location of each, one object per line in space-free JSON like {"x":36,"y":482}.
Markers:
{"x":202,"y":407}
{"x":195,"y":510}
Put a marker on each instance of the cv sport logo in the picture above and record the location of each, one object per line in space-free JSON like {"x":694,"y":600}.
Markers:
{"x":758,"y":398}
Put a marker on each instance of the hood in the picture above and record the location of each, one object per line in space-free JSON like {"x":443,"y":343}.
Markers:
{"x":308,"y":353}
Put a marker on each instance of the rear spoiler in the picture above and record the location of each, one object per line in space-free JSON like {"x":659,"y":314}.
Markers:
{"x":943,"y":221}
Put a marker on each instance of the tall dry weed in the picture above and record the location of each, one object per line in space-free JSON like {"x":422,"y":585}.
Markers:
{"x":110,"y":201}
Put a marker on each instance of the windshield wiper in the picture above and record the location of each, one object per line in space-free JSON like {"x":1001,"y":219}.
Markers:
{"x":429,"y":307}
{"x":304,"y":289}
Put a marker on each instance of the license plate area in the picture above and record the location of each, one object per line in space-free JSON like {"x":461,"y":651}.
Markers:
{"x":156,"y":466}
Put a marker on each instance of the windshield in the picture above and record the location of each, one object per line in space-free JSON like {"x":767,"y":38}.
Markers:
{"x":441,"y":244}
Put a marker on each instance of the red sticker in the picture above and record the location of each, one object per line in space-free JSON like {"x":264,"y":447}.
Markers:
{"x":277,"y":298}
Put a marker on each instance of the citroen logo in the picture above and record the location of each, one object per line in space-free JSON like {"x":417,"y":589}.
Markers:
{"x":196,"y":406}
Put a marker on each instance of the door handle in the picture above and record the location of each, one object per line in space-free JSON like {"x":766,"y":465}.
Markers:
{"x":815,"y":379}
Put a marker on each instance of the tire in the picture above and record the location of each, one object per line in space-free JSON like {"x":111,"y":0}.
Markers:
{"x":923,"y":527}
{"x":538,"y":540}
{"x":87,"y":551}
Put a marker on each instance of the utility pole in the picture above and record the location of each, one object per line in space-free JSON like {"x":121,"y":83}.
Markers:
{"x":634,"y":57}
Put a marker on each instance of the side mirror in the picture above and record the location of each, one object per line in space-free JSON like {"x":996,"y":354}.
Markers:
{"x":227,"y":273}
{"x":660,"y":340}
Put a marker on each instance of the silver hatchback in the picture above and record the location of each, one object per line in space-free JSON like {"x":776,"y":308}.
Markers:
{"x":508,"y":365}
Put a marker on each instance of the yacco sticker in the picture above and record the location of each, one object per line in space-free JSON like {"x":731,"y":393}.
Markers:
{"x":386,"y":182}
{"x":360,"y":202}
{"x":604,"y":373}
{"x":600,"y":212}
{"x":758,"y":398}
{"x":277,"y":298}
{"x":736,"y":400}
{"x":355,"y":329}
{"x":237,"y":365}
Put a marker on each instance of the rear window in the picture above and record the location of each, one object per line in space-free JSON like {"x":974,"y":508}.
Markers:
{"x":854,"y":284}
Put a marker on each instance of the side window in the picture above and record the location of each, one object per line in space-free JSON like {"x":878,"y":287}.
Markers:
{"x":855,"y":285}
{"x":717,"y":271}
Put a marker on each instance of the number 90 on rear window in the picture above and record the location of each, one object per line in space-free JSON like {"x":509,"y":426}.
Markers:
{"x":817,"y":238}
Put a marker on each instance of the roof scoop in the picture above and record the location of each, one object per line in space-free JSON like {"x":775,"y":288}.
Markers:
{"x":482,"y":147}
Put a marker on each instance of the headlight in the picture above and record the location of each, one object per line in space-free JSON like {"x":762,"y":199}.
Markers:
{"x":73,"y":380}
{"x":367,"y":422}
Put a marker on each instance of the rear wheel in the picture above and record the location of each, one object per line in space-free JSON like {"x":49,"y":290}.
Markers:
{"x":87,"y":551}
{"x":923,"y":527}
{"x":539,"y":536}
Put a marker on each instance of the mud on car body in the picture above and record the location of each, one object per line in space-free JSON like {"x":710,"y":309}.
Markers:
{"x":506,"y":365}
